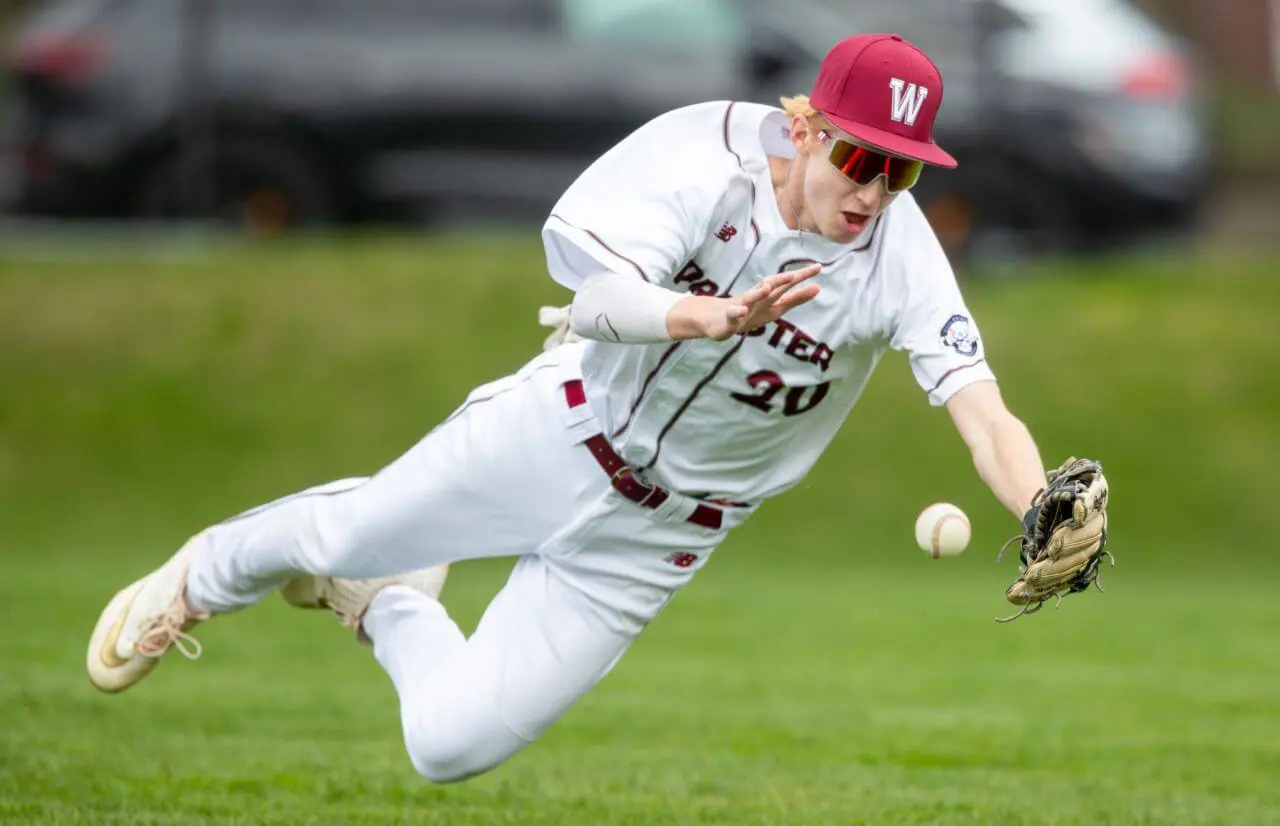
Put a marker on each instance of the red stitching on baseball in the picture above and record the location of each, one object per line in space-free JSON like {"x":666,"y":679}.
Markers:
{"x":937,"y":533}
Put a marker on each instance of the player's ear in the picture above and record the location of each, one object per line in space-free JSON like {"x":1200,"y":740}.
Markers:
{"x":801,"y":132}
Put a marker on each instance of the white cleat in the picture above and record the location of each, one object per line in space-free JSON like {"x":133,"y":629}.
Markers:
{"x":350,"y":598}
{"x":141,"y":623}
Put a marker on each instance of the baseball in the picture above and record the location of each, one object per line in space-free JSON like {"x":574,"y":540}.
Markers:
{"x":942,"y":529}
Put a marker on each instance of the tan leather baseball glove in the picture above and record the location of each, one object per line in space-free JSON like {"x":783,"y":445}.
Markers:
{"x":1064,"y":537}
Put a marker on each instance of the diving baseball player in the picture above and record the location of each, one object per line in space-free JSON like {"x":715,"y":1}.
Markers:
{"x":738,"y":272}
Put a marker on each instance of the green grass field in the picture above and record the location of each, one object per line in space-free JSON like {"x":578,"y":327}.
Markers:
{"x":822,"y":670}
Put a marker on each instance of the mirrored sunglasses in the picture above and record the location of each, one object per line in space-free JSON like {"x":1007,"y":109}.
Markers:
{"x":864,"y":165}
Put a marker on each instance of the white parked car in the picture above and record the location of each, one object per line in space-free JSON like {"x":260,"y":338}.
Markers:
{"x":1078,"y":124}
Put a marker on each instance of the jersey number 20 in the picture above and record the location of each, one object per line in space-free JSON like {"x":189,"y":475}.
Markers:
{"x":769,"y":384}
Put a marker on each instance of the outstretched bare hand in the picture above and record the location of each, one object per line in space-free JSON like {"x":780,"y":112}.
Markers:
{"x":764,"y":303}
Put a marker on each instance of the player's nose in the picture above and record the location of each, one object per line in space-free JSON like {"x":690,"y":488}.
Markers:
{"x":870,"y":199}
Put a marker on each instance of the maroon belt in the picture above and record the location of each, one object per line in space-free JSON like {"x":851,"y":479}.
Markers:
{"x":623,"y":477}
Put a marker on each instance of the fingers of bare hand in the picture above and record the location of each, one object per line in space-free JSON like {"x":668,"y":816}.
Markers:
{"x":773,"y":288}
{"x":798,"y":296}
{"x":762,"y":289}
{"x":779,"y":283}
{"x":766,"y":294}
{"x":744,"y":305}
{"x":802,"y":274}
{"x":790,"y":278}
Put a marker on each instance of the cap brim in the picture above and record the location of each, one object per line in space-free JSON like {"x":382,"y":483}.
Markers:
{"x":929,"y":153}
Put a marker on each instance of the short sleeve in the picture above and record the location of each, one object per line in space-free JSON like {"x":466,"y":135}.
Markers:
{"x":936,"y":328}
{"x":643,"y":207}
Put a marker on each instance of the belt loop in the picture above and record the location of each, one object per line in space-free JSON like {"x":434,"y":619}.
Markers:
{"x":579,"y":420}
{"x":574,"y":393}
{"x":654,"y":490}
{"x":707,"y":517}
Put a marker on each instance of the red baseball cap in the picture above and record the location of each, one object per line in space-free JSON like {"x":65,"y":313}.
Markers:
{"x":883,"y":90}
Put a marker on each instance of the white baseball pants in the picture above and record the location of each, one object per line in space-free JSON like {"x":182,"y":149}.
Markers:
{"x":506,"y":475}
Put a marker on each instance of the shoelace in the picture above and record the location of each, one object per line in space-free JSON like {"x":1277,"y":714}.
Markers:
{"x":169,"y":632}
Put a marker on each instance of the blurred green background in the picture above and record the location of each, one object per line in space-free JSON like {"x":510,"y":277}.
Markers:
{"x":822,"y":670}
{"x":190,"y":387}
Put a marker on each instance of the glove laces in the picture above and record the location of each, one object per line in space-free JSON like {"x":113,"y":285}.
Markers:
{"x":1091,"y":574}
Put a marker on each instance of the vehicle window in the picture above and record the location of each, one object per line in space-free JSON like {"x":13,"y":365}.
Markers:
{"x":947,"y":30}
{"x":69,"y":14}
{"x":1116,"y":20}
{"x":677,"y":24}
{"x":503,"y":13}
{"x":506,"y":14}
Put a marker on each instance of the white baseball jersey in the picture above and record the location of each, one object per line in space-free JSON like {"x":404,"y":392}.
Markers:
{"x":687,"y":202}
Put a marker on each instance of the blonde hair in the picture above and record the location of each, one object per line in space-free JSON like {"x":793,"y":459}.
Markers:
{"x":799,"y":105}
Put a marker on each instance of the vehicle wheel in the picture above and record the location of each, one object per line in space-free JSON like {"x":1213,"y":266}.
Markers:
{"x":259,"y":186}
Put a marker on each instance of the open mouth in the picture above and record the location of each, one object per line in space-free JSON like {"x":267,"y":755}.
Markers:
{"x":854,"y":222}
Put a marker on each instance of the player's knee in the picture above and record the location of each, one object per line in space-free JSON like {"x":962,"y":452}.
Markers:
{"x":343,"y":541}
{"x":450,"y":765}
{"x":331,"y":535}
{"x":345,"y":555}
{"x":460,"y":755}
{"x":448,"y":771}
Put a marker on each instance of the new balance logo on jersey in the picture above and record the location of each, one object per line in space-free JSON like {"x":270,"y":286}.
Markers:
{"x":726,"y":232}
{"x":908,"y":98}
{"x":681,"y":559}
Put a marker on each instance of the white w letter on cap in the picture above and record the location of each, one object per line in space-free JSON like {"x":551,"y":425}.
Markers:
{"x":907,"y":100}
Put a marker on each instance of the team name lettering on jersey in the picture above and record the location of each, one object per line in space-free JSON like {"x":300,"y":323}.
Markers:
{"x":796,"y":343}
{"x":699,"y":284}
{"x":786,"y":336}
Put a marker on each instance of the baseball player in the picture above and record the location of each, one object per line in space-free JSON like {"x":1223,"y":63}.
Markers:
{"x":738,"y":272}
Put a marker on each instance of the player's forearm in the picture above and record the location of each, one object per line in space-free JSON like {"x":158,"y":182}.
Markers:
{"x":1009,"y":462}
{"x":690,"y":315}
{"x":623,"y":310}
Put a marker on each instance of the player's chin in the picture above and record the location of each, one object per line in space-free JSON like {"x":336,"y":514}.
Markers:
{"x":839,"y":231}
